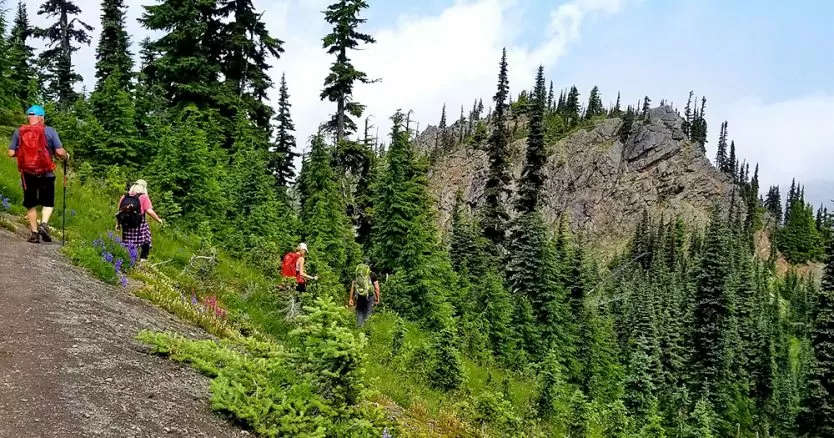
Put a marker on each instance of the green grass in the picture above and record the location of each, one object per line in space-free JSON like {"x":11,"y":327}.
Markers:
{"x":255,"y":307}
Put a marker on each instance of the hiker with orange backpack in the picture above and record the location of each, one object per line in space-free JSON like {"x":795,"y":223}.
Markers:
{"x":292,"y":265}
{"x":34,"y":145}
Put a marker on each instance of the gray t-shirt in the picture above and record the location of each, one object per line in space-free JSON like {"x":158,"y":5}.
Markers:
{"x":53,"y":142}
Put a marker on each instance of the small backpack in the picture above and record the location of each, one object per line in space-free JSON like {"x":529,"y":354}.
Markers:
{"x":32,"y":153}
{"x":288,"y":264}
{"x":130,"y":212}
{"x":363,"y":280}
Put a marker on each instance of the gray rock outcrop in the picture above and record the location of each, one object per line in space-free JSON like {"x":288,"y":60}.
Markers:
{"x":600,"y":183}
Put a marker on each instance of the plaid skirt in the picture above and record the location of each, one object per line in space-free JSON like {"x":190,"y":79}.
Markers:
{"x":137,"y":236}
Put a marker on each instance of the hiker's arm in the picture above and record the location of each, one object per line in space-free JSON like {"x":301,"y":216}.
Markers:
{"x":54,"y":142}
{"x":350,"y":300}
{"x":376,"y":291}
{"x":13,"y":145}
{"x":304,"y":272}
{"x":153,"y":214}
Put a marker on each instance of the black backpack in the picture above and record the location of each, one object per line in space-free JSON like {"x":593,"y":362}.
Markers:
{"x":129,"y":215}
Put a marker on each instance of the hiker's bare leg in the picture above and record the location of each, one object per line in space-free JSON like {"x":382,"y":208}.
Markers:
{"x":46,"y":213}
{"x":32,"y":216}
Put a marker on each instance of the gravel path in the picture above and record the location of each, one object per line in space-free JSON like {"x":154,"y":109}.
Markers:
{"x":69,"y":362}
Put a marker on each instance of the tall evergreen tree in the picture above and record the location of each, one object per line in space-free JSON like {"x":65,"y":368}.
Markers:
{"x":58,"y":57}
{"x":403,"y":236}
{"x":773,"y":203}
{"x":732,"y":162}
{"x":532,"y":177}
{"x":817,"y":416}
{"x":21,"y":58}
{"x":495,"y":216}
{"x":327,"y":229}
{"x":113,"y":56}
{"x":644,"y":112}
{"x":338,"y":85}
{"x":687,"y":121}
{"x":721,"y":156}
{"x":571,"y":106}
{"x":186,"y":65}
{"x":281,"y":163}
{"x":616,"y":111}
{"x":595,"y":107}
{"x":7,"y":99}
{"x":712,"y":308}
{"x":247,"y":48}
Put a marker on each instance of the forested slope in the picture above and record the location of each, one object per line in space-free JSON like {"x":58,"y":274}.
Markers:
{"x":503,"y":321}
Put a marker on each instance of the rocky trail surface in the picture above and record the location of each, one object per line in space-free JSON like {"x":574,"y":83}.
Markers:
{"x":69,"y":362}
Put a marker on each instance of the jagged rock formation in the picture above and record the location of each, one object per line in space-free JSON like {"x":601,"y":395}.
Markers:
{"x":602,"y":184}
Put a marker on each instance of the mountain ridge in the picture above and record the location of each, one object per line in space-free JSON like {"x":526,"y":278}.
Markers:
{"x":602,"y":183}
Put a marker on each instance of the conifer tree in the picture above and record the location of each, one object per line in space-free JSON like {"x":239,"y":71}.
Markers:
{"x":532,"y":177}
{"x":338,"y":85}
{"x":532,"y":277}
{"x":752,"y":215}
{"x":627,"y":125}
{"x":58,"y":57}
{"x":732,"y":162}
{"x":7,"y":99}
{"x":403,"y":238}
{"x":817,"y":416}
{"x":711,"y":308}
{"x":773,"y":204}
{"x":644,"y":112}
{"x":616,"y":111}
{"x":186,"y":62}
{"x":571,"y":106}
{"x":440,"y":137}
{"x":447,"y":371}
{"x":281,"y":163}
{"x":113,"y":107}
{"x":327,"y":229}
{"x":595,"y":107}
{"x":113,"y":56}
{"x":24,"y":80}
{"x":687,"y":122}
{"x":721,"y":156}
{"x":550,"y":98}
{"x":496,"y":190}
{"x":247,"y":47}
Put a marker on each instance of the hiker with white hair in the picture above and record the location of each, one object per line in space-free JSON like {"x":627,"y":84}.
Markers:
{"x":133,"y":206}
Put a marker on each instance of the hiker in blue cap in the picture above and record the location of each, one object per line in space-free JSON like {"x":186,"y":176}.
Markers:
{"x":34,"y":145}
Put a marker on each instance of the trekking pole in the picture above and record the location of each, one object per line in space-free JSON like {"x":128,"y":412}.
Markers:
{"x":64,"y":213}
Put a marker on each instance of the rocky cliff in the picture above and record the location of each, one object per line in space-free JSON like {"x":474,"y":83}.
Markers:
{"x":601,"y":183}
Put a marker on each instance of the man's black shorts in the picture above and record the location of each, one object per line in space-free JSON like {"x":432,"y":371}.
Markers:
{"x":301,"y":287}
{"x":38,"y":190}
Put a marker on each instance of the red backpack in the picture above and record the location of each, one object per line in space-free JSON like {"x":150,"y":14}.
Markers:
{"x":288,"y":265}
{"x":32,"y":153}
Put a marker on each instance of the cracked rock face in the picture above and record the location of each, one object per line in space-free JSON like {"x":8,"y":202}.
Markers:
{"x":600,"y":183}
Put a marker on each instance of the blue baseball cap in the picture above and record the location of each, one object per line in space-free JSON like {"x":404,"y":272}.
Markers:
{"x":36,"y":110}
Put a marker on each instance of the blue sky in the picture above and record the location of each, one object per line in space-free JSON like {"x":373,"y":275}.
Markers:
{"x":764,"y":66}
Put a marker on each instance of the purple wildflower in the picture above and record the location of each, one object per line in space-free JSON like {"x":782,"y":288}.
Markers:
{"x":110,"y":235}
{"x":193,"y":299}
{"x":118,"y":265}
{"x":123,"y":280}
{"x":5,"y":201}
{"x":72,"y":213}
{"x":107,"y":257}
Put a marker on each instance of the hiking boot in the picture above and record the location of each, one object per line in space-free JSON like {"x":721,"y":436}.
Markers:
{"x":34,"y":237}
{"x":43,"y":230}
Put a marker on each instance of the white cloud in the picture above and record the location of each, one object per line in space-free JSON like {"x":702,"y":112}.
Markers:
{"x":423,"y":61}
{"x":790,"y":138}
{"x":452,"y":57}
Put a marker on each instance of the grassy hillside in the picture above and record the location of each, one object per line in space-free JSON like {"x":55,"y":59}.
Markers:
{"x":254,"y":306}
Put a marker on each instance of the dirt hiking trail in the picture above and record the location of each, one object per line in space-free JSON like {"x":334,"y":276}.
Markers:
{"x":69,"y":362}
